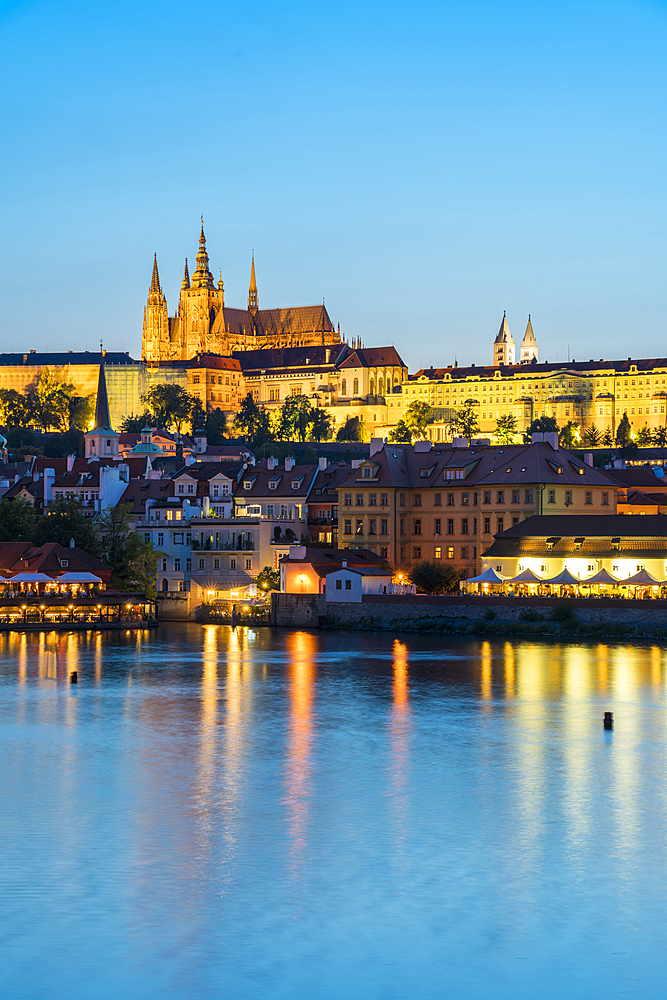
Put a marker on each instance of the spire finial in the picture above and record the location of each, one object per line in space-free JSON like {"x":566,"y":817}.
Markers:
{"x":201,"y":276}
{"x":155,"y":280}
{"x":186,"y":276}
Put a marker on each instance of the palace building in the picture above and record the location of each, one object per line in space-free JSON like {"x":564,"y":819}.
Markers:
{"x":204,"y":324}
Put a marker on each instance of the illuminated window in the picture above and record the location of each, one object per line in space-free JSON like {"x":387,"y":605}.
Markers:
{"x":438,"y":552}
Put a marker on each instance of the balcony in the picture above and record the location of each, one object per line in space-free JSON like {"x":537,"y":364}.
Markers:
{"x":323,"y":522}
{"x":214,"y":546}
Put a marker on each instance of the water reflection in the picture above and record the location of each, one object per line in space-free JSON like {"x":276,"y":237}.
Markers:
{"x":301,"y":648}
{"x":399,"y":728}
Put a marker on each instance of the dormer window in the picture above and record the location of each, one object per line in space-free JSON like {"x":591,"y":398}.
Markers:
{"x":296,"y":483}
{"x":367,"y":472}
{"x":273,"y":484}
{"x":247,"y":484}
{"x":64,"y":563}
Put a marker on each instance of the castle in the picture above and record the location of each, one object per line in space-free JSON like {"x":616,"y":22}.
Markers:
{"x":204,"y":324}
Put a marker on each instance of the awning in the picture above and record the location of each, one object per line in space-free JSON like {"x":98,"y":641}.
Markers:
{"x":83,"y":577}
{"x":642,"y":579}
{"x":31,"y":578}
{"x":601,"y":577}
{"x":488,"y":576}
{"x":526,"y":577}
{"x":563,"y":578}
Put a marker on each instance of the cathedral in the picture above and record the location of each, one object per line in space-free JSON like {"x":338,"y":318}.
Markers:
{"x":203,"y":324}
{"x":504,"y":346}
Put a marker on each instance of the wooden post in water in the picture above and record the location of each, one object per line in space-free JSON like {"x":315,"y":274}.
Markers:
{"x":74,"y":677}
{"x":608,"y":720}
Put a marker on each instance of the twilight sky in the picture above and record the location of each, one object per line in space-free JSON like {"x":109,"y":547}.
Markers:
{"x":421,"y":166}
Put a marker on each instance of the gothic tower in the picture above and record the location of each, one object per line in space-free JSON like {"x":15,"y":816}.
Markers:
{"x":528,"y":345}
{"x":102,"y":441}
{"x":199,"y":304}
{"x":155,"y":338}
{"x":503,"y":348}
{"x":252,"y":291}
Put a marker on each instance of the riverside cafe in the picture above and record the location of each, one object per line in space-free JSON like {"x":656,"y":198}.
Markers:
{"x":642,"y":586}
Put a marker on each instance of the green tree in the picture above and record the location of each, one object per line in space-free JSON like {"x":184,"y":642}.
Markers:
{"x":134,"y":423}
{"x":320,"y":428}
{"x":49,"y":403}
{"x":353,"y":429}
{"x":245,"y":421}
{"x":569,"y":435}
{"x":133,"y":561}
{"x":540,"y":425}
{"x":434,"y":577}
{"x":608,"y":438}
{"x":644,"y":437}
{"x":592,"y":437}
{"x":81,"y":411}
{"x":64,"y":520}
{"x":660,"y":437}
{"x":505,"y":428}
{"x":17,"y":520}
{"x":466,"y":421}
{"x":296,"y":415}
{"x":170,"y":404}
{"x":417,"y":416}
{"x":624,"y":431}
{"x":268,"y":579}
{"x":401,"y":433}
{"x":14,"y":407}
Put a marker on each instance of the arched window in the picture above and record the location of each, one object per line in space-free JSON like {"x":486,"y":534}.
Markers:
{"x":372,"y":386}
{"x":343,"y":387}
{"x":355,"y":387}
{"x":165,"y":586}
{"x":380,"y":386}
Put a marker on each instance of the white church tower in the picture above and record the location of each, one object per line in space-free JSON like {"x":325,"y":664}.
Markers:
{"x":528,"y":345}
{"x":503,"y":348}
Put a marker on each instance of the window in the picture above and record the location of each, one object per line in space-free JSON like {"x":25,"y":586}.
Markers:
{"x":359,"y":526}
{"x":401,"y":499}
{"x":515,"y":519}
{"x":487,"y":496}
{"x":501,"y":524}
{"x":371,"y":526}
{"x":296,"y":483}
{"x":64,"y":563}
{"x":178,"y":538}
{"x":544,"y":568}
{"x":475,"y":499}
{"x":269,"y":510}
{"x":529,"y":496}
{"x":248,"y":564}
{"x":201,"y":564}
{"x":343,"y":387}
{"x":568,"y":498}
{"x":160,"y":537}
{"x":164,"y":565}
{"x":355,"y":387}
{"x":516,"y":496}
{"x":438,"y":552}
{"x":605,"y":499}
{"x":552,"y":496}
{"x":348,"y":585}
{"x":450,"y":551}
{"x":360,"y":500}
{"x":339,"y":584}
{"x":437,"y":526}
{"x":188,"y":565}
{"x":177,"y":565}
{"x":501,"y":496}
{"x":384,"y":499}
{"x":464,"y":499}
{"x":464,"y":526}
{"x":191,"y":487}
{"x":418,"y":526}
{"x":589,"y":497}
{"x":383,"y":552}
{"x":347,"y":500}
{"x":195,"y":379}
{"x":147,"y":537}
{"x":417,"y":500}
{"x":232,"y":562}
{"x":372,"y":499}
{"x":216,"y":564}
{"x":402,"y":526}
{"x":273,"y":484}
{"x":347,"y":526}
{"x":367,"y":472}
{"x":450,"y":525}
{"x":437,"y":500}
{"x":464,"y":552}
{"x":487,"y":525}
{"x":181,"y":488}
{"x":417,"y":552}
{"x":384,"y":526}
{"x":450,"y":499}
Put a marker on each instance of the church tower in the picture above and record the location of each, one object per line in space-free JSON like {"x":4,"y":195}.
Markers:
{"x":528,"y":345}
{"x":155,"y":337}
{"x":252,"y":291}
{"x":199,"y":304}
{"x":102,"y":441}
{"x":503,"y":348}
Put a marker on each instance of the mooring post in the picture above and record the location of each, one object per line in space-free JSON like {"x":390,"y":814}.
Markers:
{"x":608,"y":720}
{"x":74,"y":677}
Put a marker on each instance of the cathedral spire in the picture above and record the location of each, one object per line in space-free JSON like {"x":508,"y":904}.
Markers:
{"x":201,"y":276}
{"x":252,"y":291}
{"x":528,"y":344}
{"x":155,"y":281}
{"x":186,"y":276}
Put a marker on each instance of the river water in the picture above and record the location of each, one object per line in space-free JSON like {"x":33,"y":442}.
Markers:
{"x":265,"y":814}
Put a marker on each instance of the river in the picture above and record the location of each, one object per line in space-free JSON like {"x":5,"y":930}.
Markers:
{"x":273,"y":814}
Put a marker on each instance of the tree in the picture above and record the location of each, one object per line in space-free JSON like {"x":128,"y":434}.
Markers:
{"x":466,"y":421}
{"x":133,"y":561}
{"x":608,"y":438}
{"x":644,"y":437}
{"x":569,"y":434}
{"x":353,"y":429}
{"x":268,"y":579}
{"x":540,"y":425}
{"x":171,"y":405}
{"x":81,"y":411}
{"x":17,"y":520}
{"x":624,"y":431}
{"x":505,"y":428}
{"x":134,"y":423}
{"x":434,"y":577}
{"x":65,"y":520}
{"x":295,"y":417}
{"x":320,"y":428}
{"x":49,"y":403}
{"x":417,"y":416}
{"x":660,"y":437}
{"x":592,"y":437}
{"x":401,"y":433}
{"x":14,"y":407}
{"x":254,"y":422}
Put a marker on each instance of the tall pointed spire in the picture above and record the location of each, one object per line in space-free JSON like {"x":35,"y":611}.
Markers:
{"x":186,"y":276}
{"x":201,"y":276}
{"x":252,"y":291}
{"x":155,"y":280}
{"x":528,"y":344}
{"x":503,"y":348}
{"x":102,"y":417}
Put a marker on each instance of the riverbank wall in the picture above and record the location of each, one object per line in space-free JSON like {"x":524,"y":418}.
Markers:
{"x":475,"y":615}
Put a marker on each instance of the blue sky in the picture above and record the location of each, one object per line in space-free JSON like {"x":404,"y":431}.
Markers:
{"x":422,"y":167}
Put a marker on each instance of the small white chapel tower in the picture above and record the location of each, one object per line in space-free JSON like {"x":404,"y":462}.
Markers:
{"x":503,"y":348}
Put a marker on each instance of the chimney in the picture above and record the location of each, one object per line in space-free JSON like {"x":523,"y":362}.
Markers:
{"x":289,"y":463}
{"x":49,"y":480}
{"x":72,"y":543}
{"x":344,"y":564}
{"x":588,"y":458}
{"x":536,"y":438}
{"x":377,"y":444}
{"x":270,"y":464}
{"x":551,"y":437}
{"x":322,"y":463}
{"x":206,"y":506}
{"x":70,"y":462}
